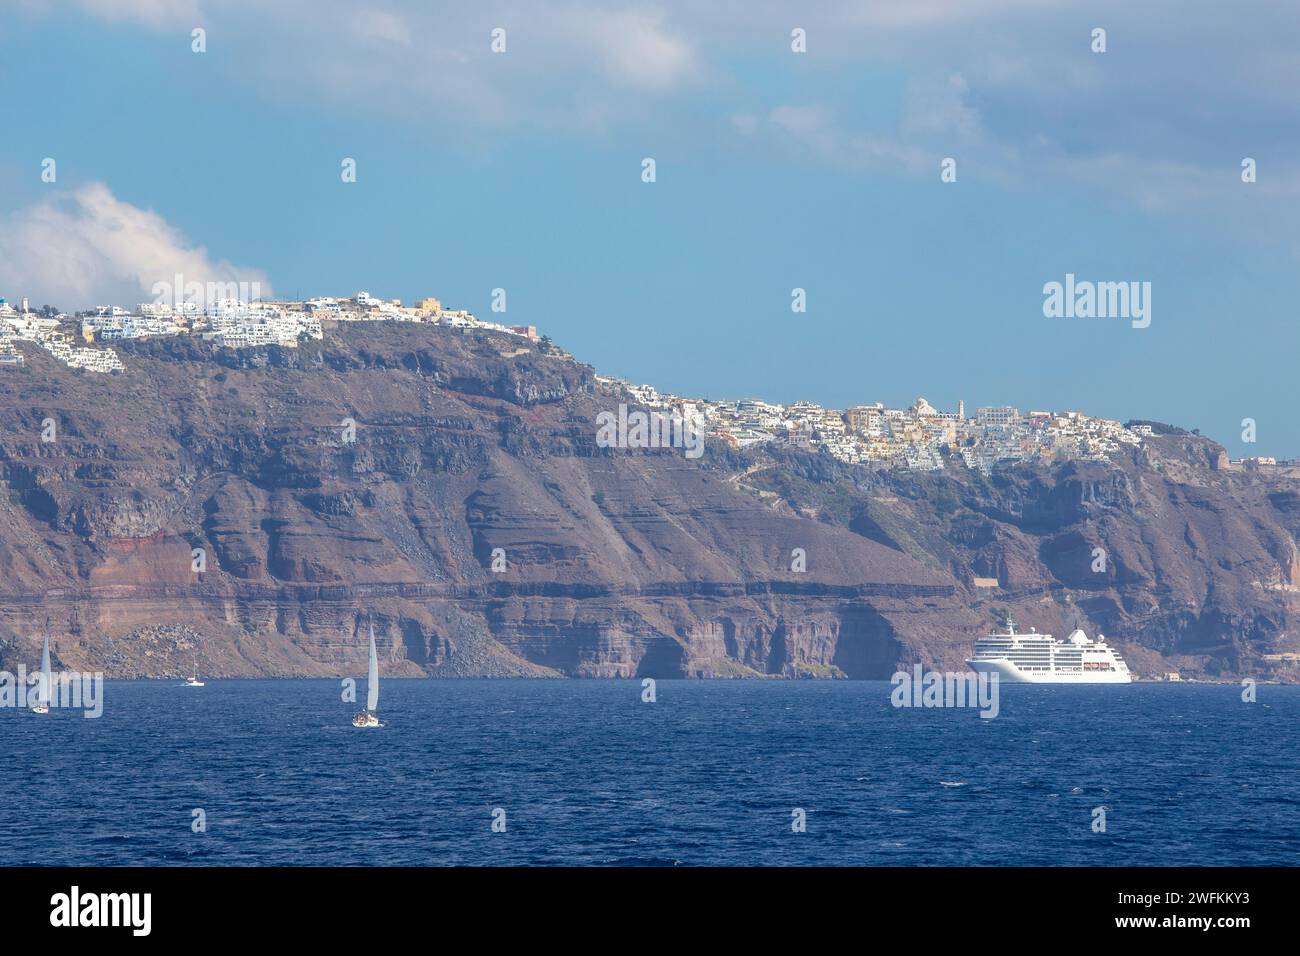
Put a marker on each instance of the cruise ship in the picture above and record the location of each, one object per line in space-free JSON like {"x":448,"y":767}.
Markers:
{"x":1035,"y":658}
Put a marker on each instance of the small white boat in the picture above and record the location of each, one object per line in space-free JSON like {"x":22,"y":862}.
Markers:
{"x":367,"y":717}
{"x":42,"y":705}
{"x":194,"y":681}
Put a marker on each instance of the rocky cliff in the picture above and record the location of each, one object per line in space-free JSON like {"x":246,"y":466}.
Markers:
{"x":245,"y":510}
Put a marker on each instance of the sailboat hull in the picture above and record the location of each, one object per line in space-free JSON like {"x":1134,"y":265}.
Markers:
{"x":41,"y":709}
{"x":365,"y":719}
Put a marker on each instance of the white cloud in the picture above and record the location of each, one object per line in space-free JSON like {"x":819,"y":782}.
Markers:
{"x":156,"y":14}
{"x":381,"y":25}
{"x":570,"y":65}
{"x":1010,"y":87}
{"x":807,"y":121}
{"x":939,"y":107}
{"x":635,"y":47}
{"x":812,"y":132}
{"x":87,"y":247}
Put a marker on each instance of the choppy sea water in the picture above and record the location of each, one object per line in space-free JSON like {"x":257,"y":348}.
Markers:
{"x":708,"y":774}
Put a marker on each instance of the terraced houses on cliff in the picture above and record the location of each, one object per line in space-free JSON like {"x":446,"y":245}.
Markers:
{"x":919,"y":437}
{"x":225,"y":322}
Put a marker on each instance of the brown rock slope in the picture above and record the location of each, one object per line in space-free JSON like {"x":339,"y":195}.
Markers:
{"x":618,"y":563}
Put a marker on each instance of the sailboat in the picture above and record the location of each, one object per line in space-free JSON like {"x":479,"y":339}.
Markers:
{"x":194,"y":681}
{"x":367,"y":717}
{"x":42,"y":705}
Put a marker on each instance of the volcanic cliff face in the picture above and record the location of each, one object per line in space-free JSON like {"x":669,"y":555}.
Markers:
{"x":245,"y":511}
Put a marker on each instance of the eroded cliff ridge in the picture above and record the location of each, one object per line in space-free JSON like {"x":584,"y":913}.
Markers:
{"x":617,"y":562}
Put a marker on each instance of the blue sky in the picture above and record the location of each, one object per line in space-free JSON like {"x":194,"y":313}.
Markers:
{"x":775,"y":170}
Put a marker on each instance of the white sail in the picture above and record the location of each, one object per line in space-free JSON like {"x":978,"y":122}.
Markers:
{"x":43,"y":690}
{"x":372,"y":680}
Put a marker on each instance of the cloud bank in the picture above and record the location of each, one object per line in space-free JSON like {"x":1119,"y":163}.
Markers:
{"x":87,"y":247}
{"x":1011,"y":88}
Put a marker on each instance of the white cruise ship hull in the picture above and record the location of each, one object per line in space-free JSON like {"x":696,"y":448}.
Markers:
{"x":1009,"y":673}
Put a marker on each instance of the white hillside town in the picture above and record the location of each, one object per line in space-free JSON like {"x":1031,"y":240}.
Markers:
{"x":226,"y":322}
{"x":43,"y":328}
{"x":917,"y":438}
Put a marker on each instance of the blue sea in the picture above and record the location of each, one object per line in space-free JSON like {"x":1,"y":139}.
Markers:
{"x":710,"y":773}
